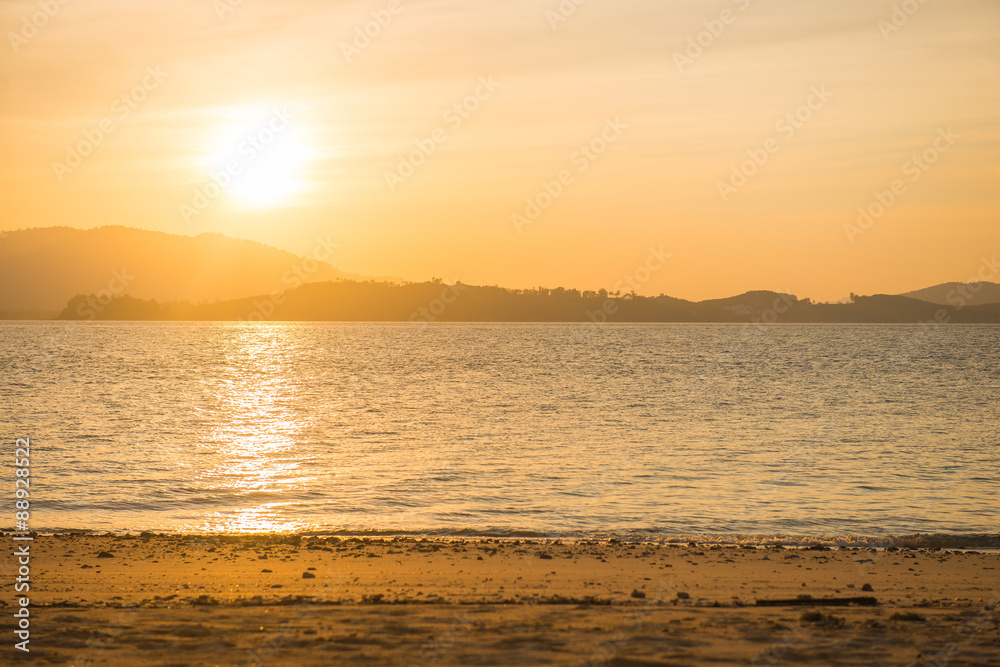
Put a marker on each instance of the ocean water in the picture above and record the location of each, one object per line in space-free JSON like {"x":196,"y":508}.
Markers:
{"x":646,"y":431}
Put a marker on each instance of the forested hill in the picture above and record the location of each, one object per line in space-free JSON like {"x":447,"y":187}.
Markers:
{"x":345,"y":300}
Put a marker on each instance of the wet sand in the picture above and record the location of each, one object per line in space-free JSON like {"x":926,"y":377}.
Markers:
{"x":275,"y":600}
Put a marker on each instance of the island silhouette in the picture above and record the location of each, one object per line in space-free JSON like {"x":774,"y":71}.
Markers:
{"x":121,"y":273}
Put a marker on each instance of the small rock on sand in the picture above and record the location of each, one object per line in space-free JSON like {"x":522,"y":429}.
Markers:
{"x":908,"y":616}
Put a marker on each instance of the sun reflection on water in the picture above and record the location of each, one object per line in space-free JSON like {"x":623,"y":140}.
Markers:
{"x":257,"y":430}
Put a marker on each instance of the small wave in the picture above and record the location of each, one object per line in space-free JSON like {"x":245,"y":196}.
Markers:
{"x":645,"y":536}
{"x":946,"y":541}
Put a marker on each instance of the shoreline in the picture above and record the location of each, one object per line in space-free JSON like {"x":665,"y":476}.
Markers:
{"x":985,"y":542}
{"x":216,"y":600}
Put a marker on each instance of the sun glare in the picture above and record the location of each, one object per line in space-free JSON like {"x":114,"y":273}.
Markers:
{"x":260,"y":159}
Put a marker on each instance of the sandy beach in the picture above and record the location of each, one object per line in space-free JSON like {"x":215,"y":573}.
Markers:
{"x":278,"y":600}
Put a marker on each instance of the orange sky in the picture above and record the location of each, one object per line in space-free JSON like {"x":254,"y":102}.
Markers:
{"x":418,"y":146}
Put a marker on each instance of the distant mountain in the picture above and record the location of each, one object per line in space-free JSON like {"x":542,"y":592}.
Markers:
{"x":123,"y":273}
{"x":350,"y":301}
{"x":758,"y":303}
{"x":41,"y":269}
{"x":959,"y":294}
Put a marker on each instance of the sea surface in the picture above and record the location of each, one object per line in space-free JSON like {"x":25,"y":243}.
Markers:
{"x":754,"y":433}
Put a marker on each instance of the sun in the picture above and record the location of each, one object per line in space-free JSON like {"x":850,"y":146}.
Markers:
{"x":274,"y":177}
{"x":260,"y":158}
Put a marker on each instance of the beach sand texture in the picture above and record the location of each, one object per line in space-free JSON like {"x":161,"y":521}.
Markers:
{"x":280,"y":600}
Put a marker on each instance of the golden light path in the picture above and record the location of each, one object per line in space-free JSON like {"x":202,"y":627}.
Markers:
{"x":257,"y":432}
